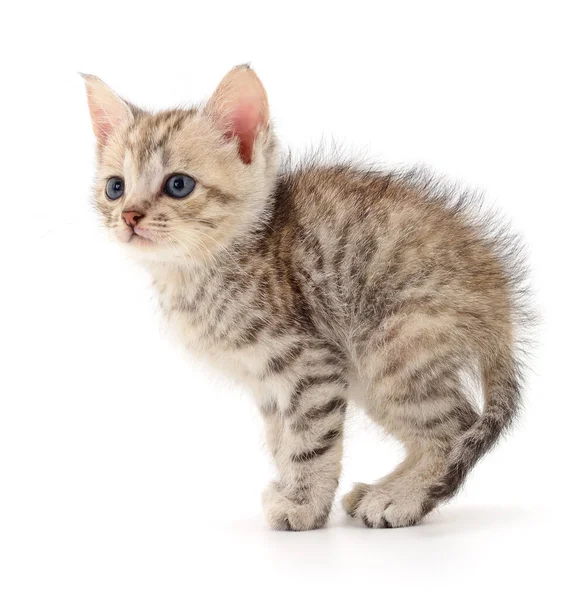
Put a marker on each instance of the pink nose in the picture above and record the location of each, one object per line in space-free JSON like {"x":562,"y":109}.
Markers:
{"x":131,"y":217}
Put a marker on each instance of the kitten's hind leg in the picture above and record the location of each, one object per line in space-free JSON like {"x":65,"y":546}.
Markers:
{"x":419,"y":400}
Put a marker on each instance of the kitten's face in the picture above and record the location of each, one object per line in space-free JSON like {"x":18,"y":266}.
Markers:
{"x":180,"y":185}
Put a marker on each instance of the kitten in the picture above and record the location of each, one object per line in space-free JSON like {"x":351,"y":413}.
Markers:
{"x":303,"y":282}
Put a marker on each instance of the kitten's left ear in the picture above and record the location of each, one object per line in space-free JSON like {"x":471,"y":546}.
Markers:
{"x":240,"y":108}
{"x":107,"y":110}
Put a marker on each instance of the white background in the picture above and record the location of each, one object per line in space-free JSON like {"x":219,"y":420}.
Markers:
{"x":128,"y":472}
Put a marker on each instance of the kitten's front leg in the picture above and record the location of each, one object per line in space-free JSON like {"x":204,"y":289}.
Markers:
{"x":306,"y":440}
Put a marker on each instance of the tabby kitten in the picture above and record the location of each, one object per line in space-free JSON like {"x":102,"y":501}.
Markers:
{"x":309,"y":283}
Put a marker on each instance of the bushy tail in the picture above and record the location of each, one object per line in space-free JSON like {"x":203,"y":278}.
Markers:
{"x":502,"y":386}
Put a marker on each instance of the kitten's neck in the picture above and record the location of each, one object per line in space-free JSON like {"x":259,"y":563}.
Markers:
{"x":230,"y":261}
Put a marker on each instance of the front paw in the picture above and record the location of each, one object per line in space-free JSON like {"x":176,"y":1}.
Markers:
{"x":285,"y":514}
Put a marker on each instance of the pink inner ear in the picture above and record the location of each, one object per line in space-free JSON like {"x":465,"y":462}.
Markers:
{"x":245,"y":120}
{"x":102,"y":124}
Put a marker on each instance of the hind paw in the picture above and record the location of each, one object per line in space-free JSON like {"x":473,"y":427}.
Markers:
{"x":378,"y":508}
{"x":352,"y":499}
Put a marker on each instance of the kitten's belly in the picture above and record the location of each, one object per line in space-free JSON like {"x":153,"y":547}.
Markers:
{"x":357,"y":388}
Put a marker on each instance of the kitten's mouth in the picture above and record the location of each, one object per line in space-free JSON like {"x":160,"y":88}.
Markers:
{"x":140,"y":235}
{"x":137,"y":239}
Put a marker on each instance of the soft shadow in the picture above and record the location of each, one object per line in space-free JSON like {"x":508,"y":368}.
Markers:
{"x":449,"y":520}
{"x":452,"y":520}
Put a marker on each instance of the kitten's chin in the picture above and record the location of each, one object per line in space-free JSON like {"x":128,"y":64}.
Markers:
{"x":149,"y":252}
{"x":144,"y":250}
{"x":153,"y":251}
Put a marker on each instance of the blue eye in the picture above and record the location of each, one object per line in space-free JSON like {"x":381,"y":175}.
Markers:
{"x":115,"y":188}
{"x":179,"y":186}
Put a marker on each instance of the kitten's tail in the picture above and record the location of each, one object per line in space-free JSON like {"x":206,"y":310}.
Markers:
{"x":502,"y":386}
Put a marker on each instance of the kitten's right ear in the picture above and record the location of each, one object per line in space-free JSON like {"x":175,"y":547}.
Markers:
{"x":240,"y":108}
{"x":107,"y":110}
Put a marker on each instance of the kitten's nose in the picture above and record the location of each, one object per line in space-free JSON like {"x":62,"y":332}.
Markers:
{"x":131,"y":217}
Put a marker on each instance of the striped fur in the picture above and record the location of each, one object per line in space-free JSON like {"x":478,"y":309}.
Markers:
{"x":301,"y":281}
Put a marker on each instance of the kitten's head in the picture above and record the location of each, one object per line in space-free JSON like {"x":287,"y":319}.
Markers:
{"x":180,"y":185}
